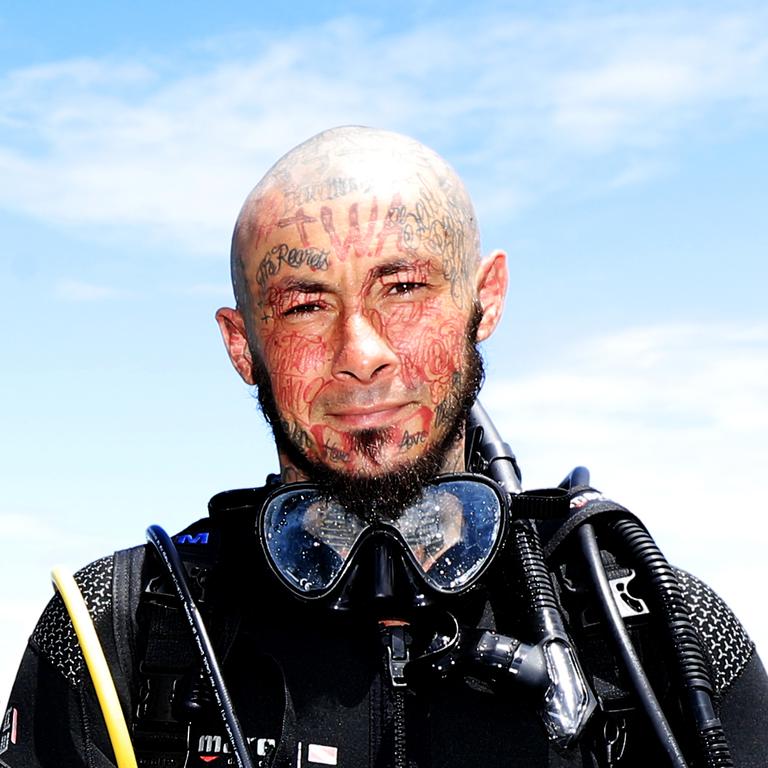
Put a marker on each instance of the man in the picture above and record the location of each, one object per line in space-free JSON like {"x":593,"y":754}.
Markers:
{"x":360,"y":293}
{"x":372,"y":605}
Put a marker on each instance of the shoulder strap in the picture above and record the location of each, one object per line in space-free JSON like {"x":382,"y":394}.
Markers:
{"x":127,"y":568}
{"x":585,"y":504}
{"x":162,"y":659}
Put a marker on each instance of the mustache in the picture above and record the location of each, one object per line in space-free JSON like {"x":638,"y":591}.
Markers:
{"x":341,"y":396}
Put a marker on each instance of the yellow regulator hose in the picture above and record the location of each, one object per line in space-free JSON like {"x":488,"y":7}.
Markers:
{"x":97,"y":666}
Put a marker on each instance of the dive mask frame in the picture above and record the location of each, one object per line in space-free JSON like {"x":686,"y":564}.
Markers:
{"x":312,"y":544}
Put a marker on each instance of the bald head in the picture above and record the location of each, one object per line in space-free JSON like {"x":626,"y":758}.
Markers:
{"x":361,"y":295}
{"x":387,"y":182}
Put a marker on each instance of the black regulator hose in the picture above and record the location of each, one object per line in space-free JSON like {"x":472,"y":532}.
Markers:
{"x":169,"y":556}
{"x":501,"y":466}
{"x":579,"y":476}
{"x":694,"y":673}
{"x":488,"y":453}
{"x":498,"y":462}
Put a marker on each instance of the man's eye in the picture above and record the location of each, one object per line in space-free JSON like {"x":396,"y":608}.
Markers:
{"x":404,"y":288}
{"x":302,"y":309}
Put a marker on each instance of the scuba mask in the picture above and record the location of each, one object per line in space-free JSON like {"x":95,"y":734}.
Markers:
{"x":438,"y":546}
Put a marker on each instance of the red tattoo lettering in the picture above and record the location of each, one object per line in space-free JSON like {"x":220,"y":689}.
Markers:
{"x":359,"y":243}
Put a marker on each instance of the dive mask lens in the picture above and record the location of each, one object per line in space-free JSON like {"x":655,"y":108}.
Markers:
{"x":449,"y":535}
{"x":451,"y":532}
{"x":307,"y":538}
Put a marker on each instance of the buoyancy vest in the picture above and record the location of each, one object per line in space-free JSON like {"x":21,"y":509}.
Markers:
{"x":311,"y":688}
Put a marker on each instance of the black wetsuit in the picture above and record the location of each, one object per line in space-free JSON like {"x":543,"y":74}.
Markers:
{"x":317,"y":688}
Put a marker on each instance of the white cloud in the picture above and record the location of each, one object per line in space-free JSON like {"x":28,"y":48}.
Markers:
{"x":35,"y":541}
{"x":131,"y":143}
{"x":20,"y":615}
{"x":671,"y":421}
{"x":18,"y":527}
{"x":652,"y":74}
{"x":79,"y":73}
{"x":635,"y":173}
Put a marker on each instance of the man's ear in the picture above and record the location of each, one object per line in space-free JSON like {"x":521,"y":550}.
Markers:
{"x":490,"y":289}
{"x":232,"y":327}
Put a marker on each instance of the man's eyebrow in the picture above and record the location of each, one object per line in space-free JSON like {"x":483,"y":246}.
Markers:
{"x":301,"y":286}
{"x":399,"y":265}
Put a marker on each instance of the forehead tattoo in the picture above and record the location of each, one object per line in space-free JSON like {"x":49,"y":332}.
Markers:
{"x":426,"y":212}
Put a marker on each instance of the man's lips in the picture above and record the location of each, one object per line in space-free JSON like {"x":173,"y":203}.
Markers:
{"x":379,"y":415}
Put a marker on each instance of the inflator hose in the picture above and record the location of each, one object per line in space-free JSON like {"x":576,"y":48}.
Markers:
{"x":694,"y":673}
{"x":97,"y":665}
{"x":632,"y":665}
{"x":579,"y":476}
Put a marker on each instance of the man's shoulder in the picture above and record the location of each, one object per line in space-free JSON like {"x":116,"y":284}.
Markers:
{"x":54,"y":636}
{"x":107,"y":584}
{"x":725,"y":641}
{"x":112,"y":583}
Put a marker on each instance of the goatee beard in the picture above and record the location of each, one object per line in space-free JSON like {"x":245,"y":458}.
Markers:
{"x":383,"y":496}
{"x":369,"y":442}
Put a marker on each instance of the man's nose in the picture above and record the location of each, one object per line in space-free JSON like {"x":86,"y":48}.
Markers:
{"x":363,"y":353}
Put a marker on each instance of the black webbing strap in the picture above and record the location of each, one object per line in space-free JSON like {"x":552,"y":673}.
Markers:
{"x":159,"y":659}
{"x":566,"y":509}
{"x":584,"y":504}
{"x":127,"y":571}
{"x":541,"y":504}
{"x":167,"y":666}
{"x":283,"y":754}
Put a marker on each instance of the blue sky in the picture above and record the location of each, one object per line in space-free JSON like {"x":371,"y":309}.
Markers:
{"x":616,"y":150}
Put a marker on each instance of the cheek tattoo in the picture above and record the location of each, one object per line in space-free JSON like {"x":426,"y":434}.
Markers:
{"x":426,"y":334}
